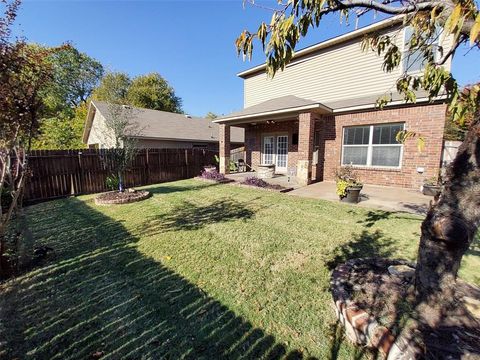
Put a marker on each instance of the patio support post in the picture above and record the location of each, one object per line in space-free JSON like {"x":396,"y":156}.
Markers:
{"x":306,"y":127}
{"x":224,"y":142}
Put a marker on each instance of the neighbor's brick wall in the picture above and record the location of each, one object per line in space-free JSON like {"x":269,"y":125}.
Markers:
{"x":427,"y":120}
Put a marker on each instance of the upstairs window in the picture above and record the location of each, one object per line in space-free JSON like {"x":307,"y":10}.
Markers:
{"x":414,"y":60}
{"x":372,"y":145}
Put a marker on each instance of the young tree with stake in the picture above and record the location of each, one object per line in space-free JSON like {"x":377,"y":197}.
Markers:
{"x":120,"y":130}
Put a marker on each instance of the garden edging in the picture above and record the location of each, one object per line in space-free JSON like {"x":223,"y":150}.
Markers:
{"x":361,"y":327}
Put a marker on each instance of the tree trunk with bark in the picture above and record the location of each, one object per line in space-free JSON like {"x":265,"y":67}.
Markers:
{"x":450,"y":226}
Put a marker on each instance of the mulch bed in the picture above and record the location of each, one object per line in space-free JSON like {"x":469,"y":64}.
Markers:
{"x":115,"y":197}
{"x":377,"y":309}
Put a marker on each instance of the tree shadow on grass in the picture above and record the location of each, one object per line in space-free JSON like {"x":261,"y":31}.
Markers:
{"x":98,"y":296}
{"x":191,"y":216}
{"x":374,"y":216}
{"x":169,"y":188}
{"x":364,"y":245}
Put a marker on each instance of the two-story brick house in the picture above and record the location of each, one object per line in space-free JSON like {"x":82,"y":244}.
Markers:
{"x":320,"y":113}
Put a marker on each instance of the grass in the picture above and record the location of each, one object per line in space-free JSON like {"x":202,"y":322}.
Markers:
{"x":196,"y":271}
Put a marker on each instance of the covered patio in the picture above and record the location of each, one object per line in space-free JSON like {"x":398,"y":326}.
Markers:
{"x":279,"y":132}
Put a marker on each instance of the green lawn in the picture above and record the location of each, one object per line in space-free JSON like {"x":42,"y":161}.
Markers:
{"x":196,"y":271}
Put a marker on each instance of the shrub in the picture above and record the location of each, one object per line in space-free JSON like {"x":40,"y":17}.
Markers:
{"x":433,"y":181}
{"x":112,"y":182}
{"x":212,"y":175}
{"x":255,"y":181}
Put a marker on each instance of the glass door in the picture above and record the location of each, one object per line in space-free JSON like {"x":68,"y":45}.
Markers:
{"x":282,"y":154}
{"x":268,"y":149}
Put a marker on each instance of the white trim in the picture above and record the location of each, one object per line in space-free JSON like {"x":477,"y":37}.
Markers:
{"x":370,"y":147}
{"x":331,"y":42}
{"x":273,"y":112}
{"x":283,"y":170}
{"x":263,"y":149}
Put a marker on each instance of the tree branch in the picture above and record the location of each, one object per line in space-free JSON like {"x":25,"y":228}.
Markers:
{"x":385,"y":8}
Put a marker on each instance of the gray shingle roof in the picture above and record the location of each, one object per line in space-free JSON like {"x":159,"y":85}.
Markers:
{"x":286,"y":103}
{"x":277,"y":104}
{"x":172,"y":126}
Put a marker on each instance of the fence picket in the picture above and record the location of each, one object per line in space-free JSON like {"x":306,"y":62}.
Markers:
{"x":62,"y":173}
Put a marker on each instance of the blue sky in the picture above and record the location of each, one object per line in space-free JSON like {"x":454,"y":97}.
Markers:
{"x":190,"y":43}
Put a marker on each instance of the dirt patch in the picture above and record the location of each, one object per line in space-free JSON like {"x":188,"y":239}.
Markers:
{"x":116,"y":197}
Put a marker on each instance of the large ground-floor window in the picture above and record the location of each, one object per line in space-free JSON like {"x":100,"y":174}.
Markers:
{"x":372,"y":145}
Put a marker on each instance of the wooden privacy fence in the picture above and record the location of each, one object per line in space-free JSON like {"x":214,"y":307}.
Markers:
{"x":60,"y":173}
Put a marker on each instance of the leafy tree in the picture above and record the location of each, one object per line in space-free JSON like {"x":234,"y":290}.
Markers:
{"x":24,"y":76}
{"x":149,"y":91}
{"x":75,"y":77}
{"x":453,"y":218}
{"x":62,"y":132}
{"x":211,"y":115}
{"x":152,"y":91}
{"x":113,"y":88}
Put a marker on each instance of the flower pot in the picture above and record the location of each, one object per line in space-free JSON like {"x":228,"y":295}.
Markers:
{"x":431,"y":190}
{"x":353,"y":194}
{"x":210,"y":168}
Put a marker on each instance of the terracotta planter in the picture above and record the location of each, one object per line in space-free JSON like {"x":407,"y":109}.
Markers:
{"x":353,"y":194}
{"x":431,"y":190}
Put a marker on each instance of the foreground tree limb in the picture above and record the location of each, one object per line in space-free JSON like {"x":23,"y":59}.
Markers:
{"x":451,"y":223}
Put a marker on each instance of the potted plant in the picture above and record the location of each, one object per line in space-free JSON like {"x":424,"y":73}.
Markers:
{"x":431,"y":186}
{"x":210,"y":167}
{"x":348,"y":185}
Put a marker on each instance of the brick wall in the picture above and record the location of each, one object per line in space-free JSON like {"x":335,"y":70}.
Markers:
{"x":253,"y":140}
{"x":427,"y":120}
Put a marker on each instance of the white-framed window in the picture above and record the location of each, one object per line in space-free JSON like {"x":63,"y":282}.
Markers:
{"x":413,"y":61}
{"x":372,"y":145}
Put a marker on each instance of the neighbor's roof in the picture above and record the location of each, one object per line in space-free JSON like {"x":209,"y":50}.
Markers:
{"x":277,"y":106}
{"x":165,"y":125}
{"x":392,"y":21}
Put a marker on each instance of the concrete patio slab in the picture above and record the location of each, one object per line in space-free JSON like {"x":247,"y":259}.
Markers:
{"x":378,"y":197}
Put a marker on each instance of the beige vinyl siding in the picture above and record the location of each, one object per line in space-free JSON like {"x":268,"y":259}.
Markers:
{"x":99,"y":134}
{"x":339,"y":72}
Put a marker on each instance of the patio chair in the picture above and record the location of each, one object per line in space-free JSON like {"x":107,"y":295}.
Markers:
{"x":241,"y":165}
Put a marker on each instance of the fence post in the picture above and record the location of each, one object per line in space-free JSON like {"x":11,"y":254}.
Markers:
{"x":81,"y":177}
{"x":147,"y":167}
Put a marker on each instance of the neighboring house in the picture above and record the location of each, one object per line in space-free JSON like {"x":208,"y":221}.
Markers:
{"x":158,"y":129}
{"x":319,"y":113}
